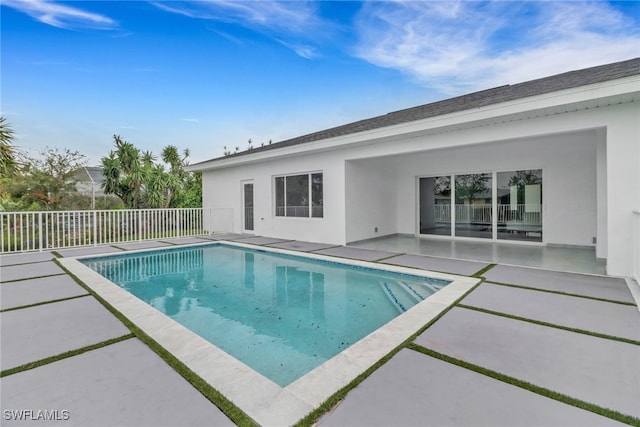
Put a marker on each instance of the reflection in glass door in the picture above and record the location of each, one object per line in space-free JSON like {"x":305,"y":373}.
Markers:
{"x":247,"y":196}
{"x":520,"y":205}
{"x":510,"y":211}
{"x":435,"y":205}
{"x":474,"y":205}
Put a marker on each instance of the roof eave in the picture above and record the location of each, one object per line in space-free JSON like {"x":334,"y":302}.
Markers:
{"x":572,"y":96}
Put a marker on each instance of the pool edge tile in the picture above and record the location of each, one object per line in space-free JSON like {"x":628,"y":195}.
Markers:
{"x":260,"y":398}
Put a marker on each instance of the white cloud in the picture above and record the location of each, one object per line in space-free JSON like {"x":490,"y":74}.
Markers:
{"x":290,"y":16}
{"x":305,"y":51}
{"x":61,"y":16}
{"x":285,"y":21}
{"x":190,"y":120}
{"x":456,"y":47}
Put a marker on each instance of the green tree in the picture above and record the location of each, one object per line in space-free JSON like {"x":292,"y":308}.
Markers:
{"x":47,"y":182}
{"x":471,"y":186}
{"x":7,"y":151}
{"x":191,"y":197}
{"x":141,"y":181}
{"x":124,"y":173}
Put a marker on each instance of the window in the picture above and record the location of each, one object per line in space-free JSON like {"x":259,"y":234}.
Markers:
{"x":299,"y":195}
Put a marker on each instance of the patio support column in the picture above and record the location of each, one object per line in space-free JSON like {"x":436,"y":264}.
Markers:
{"x":601,"y":194}
{"x":623,"y":188}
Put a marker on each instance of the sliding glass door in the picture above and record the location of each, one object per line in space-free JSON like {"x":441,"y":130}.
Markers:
{"x":494,"y":205}
{"x":520,"y":205}
{"x":474,"y":204}
{"x":435,"y":205}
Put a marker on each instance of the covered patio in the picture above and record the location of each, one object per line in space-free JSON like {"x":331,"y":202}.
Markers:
{"x":549,"y":257}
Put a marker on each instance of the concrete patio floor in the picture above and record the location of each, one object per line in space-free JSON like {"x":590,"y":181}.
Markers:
{"x":548,"y":257}
{"x":526,"y":347}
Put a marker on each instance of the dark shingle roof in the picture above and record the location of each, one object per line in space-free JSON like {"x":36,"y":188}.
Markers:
{"x":479,"y":99}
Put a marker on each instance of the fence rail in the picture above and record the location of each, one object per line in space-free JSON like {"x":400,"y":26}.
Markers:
{"x":482,"y":213}
{"x":31,"y":231}
{"x":636,"y":245}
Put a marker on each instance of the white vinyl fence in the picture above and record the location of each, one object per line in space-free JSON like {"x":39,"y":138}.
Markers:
{"x":30,"y":231}
{"x":636,"y":245}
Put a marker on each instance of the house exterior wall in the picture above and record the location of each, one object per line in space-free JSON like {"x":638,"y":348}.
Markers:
{"x":569,"y":181}
{"x":370,"y":199}
{"x":623,"y":186}
{"x":223,"y":188}
{"x":590,"y":160}
{"x":568,"y":186}
{"x":601,"y":194}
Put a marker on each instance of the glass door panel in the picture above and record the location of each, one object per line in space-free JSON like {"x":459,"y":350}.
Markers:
{"x":474,"y":205}
{"x":435,"y":205}
{"x":520,"y":205}
{"x":248,"y":206}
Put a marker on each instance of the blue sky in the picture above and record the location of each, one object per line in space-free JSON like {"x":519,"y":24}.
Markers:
{"x":207,"y":74}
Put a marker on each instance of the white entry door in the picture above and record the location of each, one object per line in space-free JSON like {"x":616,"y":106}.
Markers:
{"x":247,"y":204}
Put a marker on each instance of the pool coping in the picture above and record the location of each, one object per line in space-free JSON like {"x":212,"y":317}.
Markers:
{"x":266,"y":402}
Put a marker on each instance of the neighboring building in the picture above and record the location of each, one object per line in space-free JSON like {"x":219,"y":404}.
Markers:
{"x":549,"y":161}
{"x":89,"y":182}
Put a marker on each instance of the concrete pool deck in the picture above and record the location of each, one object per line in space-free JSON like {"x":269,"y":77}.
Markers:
{"x":577,"y":335}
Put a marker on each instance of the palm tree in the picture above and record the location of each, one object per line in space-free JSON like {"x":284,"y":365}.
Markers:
{"x":124,"y":172}
{"x":177,"y":178}
{"x":7,"y":151}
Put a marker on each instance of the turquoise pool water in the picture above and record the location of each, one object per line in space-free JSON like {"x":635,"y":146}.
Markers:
{"x":282,"y":315}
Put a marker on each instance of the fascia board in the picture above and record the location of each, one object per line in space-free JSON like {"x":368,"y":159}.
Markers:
{"x":608,"y":89}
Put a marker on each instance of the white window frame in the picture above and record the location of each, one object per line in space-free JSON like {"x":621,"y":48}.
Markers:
{"x":310,"y":194}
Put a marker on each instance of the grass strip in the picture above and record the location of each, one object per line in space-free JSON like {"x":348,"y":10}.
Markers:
{"x":30,"y":278}
{"x":423,"y":269}
{"x":324,"y":249}
{"x":312,"y":418}
{"x":569,"y":294}
{"x":478,"y":274}
{"x":389,"y":257}
{"x":42,"y":303}
{"x":609,"y":413}
{"x":552,"y":325}
{"x":65,"y":355}
{"x":26,"y":263}
{"x":214,"y":396}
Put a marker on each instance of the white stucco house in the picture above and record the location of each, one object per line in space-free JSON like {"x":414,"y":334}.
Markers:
{"x":553,"y":161}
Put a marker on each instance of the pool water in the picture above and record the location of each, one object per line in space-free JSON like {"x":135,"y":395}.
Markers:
{"x":282,"y":315}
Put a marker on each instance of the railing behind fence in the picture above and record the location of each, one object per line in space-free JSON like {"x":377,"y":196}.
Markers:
{"x":636,"y":245}
{"x":482,"y":213}
{"x":29,"y":231}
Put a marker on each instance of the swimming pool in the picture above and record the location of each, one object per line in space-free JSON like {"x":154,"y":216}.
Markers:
{"x":280,"y":314}
{"x":265,"y":401}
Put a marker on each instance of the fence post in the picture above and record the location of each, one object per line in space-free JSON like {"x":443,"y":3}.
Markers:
{"x":40,"y":231}
{"x":140,"y":224}
{"x":95,"y":227}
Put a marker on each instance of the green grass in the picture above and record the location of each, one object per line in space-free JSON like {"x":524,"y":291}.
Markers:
{"x":337,"y":397}
{"x":42,"y":303}
{"x":240,"y":418}
{"x":31,"y":277}
{"x":214,"y":396}
{"x":609,"y":413}
{"x":530,"y":288}
{"x":65,"y":355}
{"x":478,"y":274}
{"x":552,"y":325}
